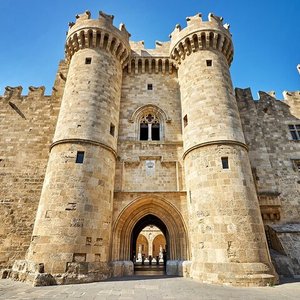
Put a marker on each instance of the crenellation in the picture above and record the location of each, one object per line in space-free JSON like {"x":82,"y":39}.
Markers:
{"x":201,"y":35}
{"x":84,"y":16}
{"x":13,"y":92}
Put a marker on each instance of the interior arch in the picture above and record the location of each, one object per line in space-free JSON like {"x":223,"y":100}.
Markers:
{"x":140,"y":225}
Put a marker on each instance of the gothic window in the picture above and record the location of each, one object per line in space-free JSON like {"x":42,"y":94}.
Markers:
{"x":149,"y":123}
{"x":149,"y":128}
{"x":295,"y":132}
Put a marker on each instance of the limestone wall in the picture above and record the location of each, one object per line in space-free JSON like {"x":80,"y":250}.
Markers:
{"x":273,"y":152}
{"x":150,"y":165}
{"x":26,"y":130}
{"x":223,"y":208}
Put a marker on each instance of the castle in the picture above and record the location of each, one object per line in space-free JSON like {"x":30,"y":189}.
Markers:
{"x":132,"y":137}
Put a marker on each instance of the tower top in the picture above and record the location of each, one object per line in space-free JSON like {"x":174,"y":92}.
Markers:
{"x":97,"y":33}
{"x":104,"y":21}
{"x":199,"y":35}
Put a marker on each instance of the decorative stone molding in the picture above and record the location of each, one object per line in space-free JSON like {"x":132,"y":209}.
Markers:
{"x":270,"y":206}
{"x":150,"y":65}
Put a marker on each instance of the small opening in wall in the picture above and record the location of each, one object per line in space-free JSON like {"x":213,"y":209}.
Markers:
{"x":150,"y":86}
{"x":112,"y":129}
{"x":79,"y":157}
{"x":88,"y":60}
{"x":208,"y":62}
{"x":225,"y":164}
{"x":296,"y":164}
{"x":185,"y":121}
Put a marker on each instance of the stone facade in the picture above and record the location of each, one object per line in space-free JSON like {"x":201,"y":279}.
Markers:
{"x":132,"y":137}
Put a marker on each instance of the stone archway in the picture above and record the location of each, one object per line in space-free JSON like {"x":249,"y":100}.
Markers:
{"x":142,"y":223}
{"x":137,"y":210}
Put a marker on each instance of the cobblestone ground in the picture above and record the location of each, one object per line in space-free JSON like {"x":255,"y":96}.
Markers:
{"x":147,"y":288}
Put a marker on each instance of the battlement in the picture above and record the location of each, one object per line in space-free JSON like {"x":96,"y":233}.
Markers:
{"x":97,"y":33}
{"x":263,"y":95}
{"x":16,"y":92}
{"x":268,"y":103}
{"x":161,"y":49}
{"x":200,"y":35}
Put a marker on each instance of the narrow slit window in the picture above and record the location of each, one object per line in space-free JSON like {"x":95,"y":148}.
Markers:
{"x":209,"y":63}
{"x":79,"y":157}
{"x":185,"y":121}
{"x":225,"y":164}
{"x":150,"y":87}
{"x":112,"y":129}
{"x":88,"y":60}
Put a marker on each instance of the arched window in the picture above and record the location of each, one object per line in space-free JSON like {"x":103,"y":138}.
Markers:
{"x":149,"y":127}
{"x":150,"y":122}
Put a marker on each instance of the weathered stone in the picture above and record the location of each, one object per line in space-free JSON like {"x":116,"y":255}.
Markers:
{"x":148,"y":137}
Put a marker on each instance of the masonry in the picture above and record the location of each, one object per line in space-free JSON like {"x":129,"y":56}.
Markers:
{"x":132,"y":137}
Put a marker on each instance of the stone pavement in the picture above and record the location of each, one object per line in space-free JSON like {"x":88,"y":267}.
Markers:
{"x":143,"y":287}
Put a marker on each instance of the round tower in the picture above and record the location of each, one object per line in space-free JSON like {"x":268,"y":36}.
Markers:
{"x":227,"y":236}
{"x":72,"y":231}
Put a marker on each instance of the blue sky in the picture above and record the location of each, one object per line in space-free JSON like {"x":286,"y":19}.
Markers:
{"x":266,"y":36}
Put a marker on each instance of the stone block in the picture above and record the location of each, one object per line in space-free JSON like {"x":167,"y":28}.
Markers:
{"x":172,"y":267}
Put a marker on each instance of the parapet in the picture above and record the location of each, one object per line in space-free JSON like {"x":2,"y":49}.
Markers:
{"x":16,"y":92}
{"x":200,"y":35}
{"x":268,"y":103}
{"x":97,"y":33}
{"x":161,"y":49}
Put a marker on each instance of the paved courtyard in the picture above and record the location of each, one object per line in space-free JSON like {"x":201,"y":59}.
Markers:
{"x":144,"y":287}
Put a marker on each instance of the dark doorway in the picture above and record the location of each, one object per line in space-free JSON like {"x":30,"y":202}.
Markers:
{"x":149,"y":268}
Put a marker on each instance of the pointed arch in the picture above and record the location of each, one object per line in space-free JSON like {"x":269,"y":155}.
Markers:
{"x":159,"y":115}
{"x":136,"y":211}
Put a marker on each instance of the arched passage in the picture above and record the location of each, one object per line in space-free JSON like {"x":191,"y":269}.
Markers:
{"x":140,"y":225}
{"x":170,"y":221}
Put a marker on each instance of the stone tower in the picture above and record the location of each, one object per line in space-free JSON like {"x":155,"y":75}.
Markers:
{"x":226,"y":231}
{"x":73,"y":223}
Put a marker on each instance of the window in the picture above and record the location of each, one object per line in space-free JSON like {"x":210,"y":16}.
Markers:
{"x":149,"y":128}
{"x":296,"y":164}
{"x":150,"y":87}
{"x":144,"y":132}
{"x":112,"y":129}
{"x":225,"y":164}
{"x":209,"y":63}
{"x":79,"y":157}
{"x":185,"y":121}
{"x":295,"y":132}
{"x":88,"y":60}
{"x":155,"y":132}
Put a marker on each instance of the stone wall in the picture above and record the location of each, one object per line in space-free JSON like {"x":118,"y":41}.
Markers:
{"x":26,"y":130}
{"x":150,"y":165}
{"x":273,"y":152}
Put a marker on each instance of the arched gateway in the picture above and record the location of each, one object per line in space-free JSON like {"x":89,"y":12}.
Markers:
{"x":143,"y":212}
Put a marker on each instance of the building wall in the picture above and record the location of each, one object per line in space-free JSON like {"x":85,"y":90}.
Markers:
{"x":27,"y":124}
{"x":159,"y":162}
{"x":273,"y":152}
{"x":144,"y":168}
